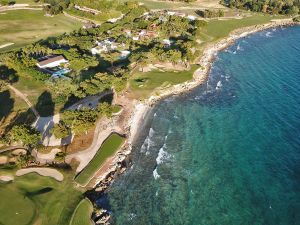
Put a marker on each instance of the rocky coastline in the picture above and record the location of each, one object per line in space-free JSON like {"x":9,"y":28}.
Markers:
{"x":141,"y":109}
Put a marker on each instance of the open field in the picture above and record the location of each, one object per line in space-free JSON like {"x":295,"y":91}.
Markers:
{"x":109,"y":147}
{"x":22,"y":27}
{"x":143,"y":84}
{"x":82,"y":213}
{"x":44,"y":201}
{"x":220,"y":28}
{"x":157,"y":4}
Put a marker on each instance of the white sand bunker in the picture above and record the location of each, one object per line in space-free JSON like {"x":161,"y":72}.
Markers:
{"x":19,"y":152}
{"x":47,"y":172}
{"x":6,"y":178}
{"x":3,"y":160}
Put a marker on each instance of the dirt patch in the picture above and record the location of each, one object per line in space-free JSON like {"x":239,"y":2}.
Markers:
{"x":81,"y":142}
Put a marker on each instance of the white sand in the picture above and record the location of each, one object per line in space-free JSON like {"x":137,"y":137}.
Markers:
{"x":45,"y":158}
{"x":3,"y":160}
{"x":47,"y":172}
{"x":6,"y":178}
{"x":19,"y":152}
{"x":7,"y":44}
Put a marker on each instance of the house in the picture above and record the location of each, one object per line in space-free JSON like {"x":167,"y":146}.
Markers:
{"x":135,"y":38}
{"x":104,"y":46}
{"x":142,"y":33}
{"x":180,"y":14}
{"x":89,"y":25}
{"x":51,"y":61}
{"x":167,"y":43}
{"x":162,"y":18}
{"x":124,"y":54}
{"x":170,"y":13}
{"x":151,"y":34}
{"x":191,"y":17}
{"x":127,"y":32}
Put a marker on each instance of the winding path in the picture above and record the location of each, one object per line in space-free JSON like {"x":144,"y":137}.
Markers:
{"x":24,"y":98}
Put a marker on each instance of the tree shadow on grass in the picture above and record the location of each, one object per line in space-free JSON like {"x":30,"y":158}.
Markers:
{"x":6,"y":104}
{"x":71,"y":100}
{"x":8,"y":75}
{"x":39,"y":192}
{"x":45,"y":105}
{"x":107,"y":98}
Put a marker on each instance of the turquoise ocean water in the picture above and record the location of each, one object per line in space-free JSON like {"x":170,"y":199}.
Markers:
{"x":228,"y":152}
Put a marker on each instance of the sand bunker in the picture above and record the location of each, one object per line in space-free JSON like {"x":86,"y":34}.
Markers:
{"x":3,"y":160}
{"x":47,"y":172}
{"x":6,"y":178}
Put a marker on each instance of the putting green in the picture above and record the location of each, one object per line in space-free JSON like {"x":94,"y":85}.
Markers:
{"x":33,"y":199}
{"x":15,"y":207}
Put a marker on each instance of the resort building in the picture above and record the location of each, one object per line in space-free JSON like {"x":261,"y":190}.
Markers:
{"x":51,"y":61}
{"x":104,"y":46}
{"x":124,"y":54}
{"x":167,"y":43}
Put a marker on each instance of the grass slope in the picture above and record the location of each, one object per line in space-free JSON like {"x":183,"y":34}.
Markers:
{"x":32,"y":199}
{"x":27,"y":26}
{"x":108,"y":149}
{"x":143,"y":84}
{"x":82,"y":213}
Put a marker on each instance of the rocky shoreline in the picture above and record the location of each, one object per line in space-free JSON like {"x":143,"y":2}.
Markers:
{"x":141,"y":109}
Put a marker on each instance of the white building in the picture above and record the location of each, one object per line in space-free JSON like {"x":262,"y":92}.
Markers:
{"x":124,"y":54}
{"x":104,"y":46}
{"x":191,"y":17}
{"x":52,"y":61}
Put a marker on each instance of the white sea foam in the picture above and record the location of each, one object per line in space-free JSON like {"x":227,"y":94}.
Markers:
{"x":163,"y":156}
{"x":131,"y":216}
{"x":151,"y":132}
{"x":268,"y":34}
{"x":239,"y":48}
{"x":155,"y":174}
{"x":219,"y":85}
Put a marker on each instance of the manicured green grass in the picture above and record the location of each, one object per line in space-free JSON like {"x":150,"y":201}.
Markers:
{"x":33,"y":199}
{"x":107,"y":150}
{"x":160,"y":4}
{"x":82,"y":213}
{"x":217,"y":29}
{"x":116,"y":108}
{"x":143,"y":84}
{"x":22,"y":27}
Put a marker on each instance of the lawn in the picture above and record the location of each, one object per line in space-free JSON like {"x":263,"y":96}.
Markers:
{"x":33,"y":199}
{"x":82,"y":213}
{"x":109,"y":147}
{"x":156,"y":4}
{"x":143,"y":84}
{"x":22,"y":27}
{"x":217,"y":29}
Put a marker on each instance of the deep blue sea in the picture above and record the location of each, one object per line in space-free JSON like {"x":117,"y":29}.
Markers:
{"x":227,"y":153}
